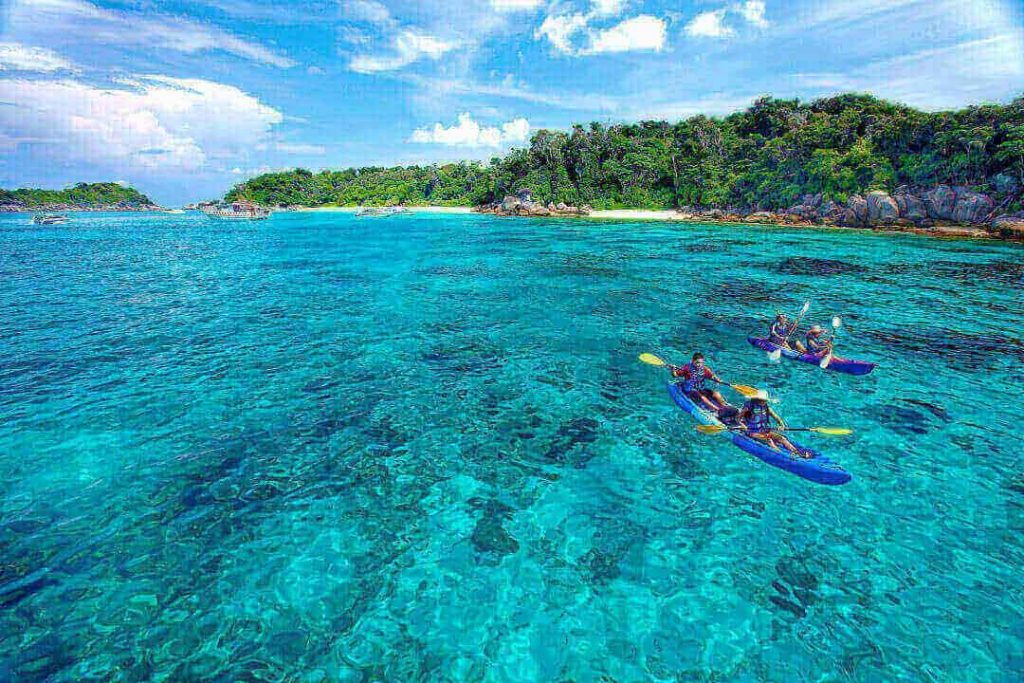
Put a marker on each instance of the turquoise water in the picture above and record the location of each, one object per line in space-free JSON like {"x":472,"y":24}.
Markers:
{"x":421,"y":448}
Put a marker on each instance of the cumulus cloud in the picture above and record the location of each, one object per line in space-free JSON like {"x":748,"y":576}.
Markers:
{"x":575,"y":35}
{"x":753,"y":11}
{"x":710,"y":25}
{"x":18,"y":57}
{"x":715,"y":24}
{"x":560,"y":30}
{"x":469,"y":133}
{"x":409,"y":46}
{"x":142,"y":122}
{"x":639,"y":33}
{"x":68,"y":20}
{"x":515,"y":5}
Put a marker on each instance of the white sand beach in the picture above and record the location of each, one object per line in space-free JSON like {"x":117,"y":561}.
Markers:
{"x":637,"y":215}
{"x":412,"y":209}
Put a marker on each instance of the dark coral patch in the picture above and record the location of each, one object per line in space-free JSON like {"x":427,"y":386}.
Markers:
{"x":803,"y":265}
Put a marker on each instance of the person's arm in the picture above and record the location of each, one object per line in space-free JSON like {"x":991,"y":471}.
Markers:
{"x":710,"y":374}
{"x":782,"y":423}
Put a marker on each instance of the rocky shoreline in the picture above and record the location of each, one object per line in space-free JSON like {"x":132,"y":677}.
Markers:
{"x":64,"y":208}
{"x":943,"y":210}
{"x":522,"y":204}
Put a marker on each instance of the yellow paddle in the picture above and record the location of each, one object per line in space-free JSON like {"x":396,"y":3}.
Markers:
{"x":829,"y":431}
{"x":742,"y":389}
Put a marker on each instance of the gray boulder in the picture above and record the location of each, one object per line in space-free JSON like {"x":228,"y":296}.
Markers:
{"x":911,"y":207}
{"x":882,"y":208}
{"x":940,"y":202}
{"x":859,"y":207}
{"x":811,"y":200}
{"x":1009,"y":225}
{"x":972,"y":207}
{"x":509,"y":204}
{"x":828,"y":209}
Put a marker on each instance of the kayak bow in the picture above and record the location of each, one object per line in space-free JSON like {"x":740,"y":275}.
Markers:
{"x":837,"y":364}
{"x":818,"y":468}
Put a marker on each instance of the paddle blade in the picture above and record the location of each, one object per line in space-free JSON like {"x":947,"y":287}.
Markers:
{"x":837,"y":322}
{"x":711,"y":429}
{"x":832,"y":431}
{"x":807,"y":307}
{"x":744,"y":390}
{"x":825,"y":361}
{"x":775,"y":355}
{"x":651,"y":359}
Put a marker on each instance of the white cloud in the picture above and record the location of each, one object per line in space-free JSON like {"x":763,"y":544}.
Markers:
{"x":607,"y":8}
{"x":144,"y":122}
{"x":516,"y":130}
{"x":62,"y":20}
{"x":573,"y":34}
{"x":753,"y":11}
{"x":469,"y":133}
{"x":369,"y":11}
{"x":18,"y":57}
{"x":639,"y":33}
{"x":560,"y":29}
{"x":710,"y":25}
{"x":409,"y":46}
{"x":515,"y":5}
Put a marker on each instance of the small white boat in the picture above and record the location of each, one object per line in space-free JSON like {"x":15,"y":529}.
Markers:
{"x":237,"y":211}
{"x":50,"y":219}
{"x":380,"y":211}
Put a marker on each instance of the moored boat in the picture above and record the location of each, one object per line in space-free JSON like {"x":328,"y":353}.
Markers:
{"x":380,"y":211}
{"x":245,"y":211}
{"x":50,"y":219}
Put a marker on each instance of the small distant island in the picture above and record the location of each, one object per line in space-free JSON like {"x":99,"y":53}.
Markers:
{"x":81,"y":197}
{"x":852,"y":160}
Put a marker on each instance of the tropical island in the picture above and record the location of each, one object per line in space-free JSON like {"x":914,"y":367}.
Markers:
{"x":850,"y":160}
{"x":81,"y":197}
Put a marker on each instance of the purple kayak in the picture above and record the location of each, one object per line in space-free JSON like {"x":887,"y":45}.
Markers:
{"x":849,"y":367}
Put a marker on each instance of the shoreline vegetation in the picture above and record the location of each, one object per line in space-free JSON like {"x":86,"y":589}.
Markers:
{"x":850,"y":161}
{"x":81,"y":197}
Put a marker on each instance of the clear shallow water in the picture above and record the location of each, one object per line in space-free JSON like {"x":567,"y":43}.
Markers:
{"x":422,"y":448}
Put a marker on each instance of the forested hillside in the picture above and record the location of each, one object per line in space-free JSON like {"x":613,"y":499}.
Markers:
{"x":765,"y":157}
{"x":82,"y":195}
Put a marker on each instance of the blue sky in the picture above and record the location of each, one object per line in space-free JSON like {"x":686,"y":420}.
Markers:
{"x":184,"y":98}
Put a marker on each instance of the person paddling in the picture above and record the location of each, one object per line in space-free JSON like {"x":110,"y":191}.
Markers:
{"x":694,"y":375}
{"x":780,"y":330}
{"x":817,"y":343}
{"x":757,"y":418}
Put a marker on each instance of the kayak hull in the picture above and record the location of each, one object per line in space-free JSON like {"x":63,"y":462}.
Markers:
{"x":836,"y":364}
{"x":818,"y":469}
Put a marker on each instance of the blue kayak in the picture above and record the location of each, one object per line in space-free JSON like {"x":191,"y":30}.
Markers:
{"x":818,"y":468}
{"x":836,"y":364}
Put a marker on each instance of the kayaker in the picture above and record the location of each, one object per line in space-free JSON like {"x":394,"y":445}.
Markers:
{"x":817,"y":342}
{"x":780,"y":330}
{"x":756,"y":418}
{"x":694,"y":375}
